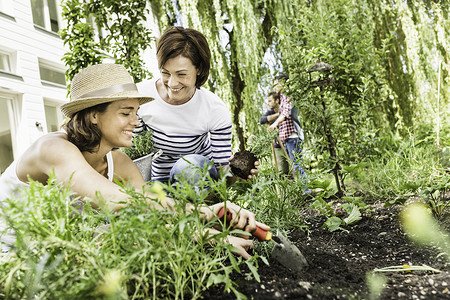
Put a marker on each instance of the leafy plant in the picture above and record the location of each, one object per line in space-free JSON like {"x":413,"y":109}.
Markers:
{"x":142,"y":145}
{"x":117,"y":19}
{"x":260,"y":145}
{"x":140,"y":253}
{"x":435,"y":196}
{"x":405,"y":168}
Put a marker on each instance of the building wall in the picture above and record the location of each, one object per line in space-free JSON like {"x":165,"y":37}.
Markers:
{"x":23,"y":95}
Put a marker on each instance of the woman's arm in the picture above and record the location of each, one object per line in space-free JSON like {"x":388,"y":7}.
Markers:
{"x":70,"y":167}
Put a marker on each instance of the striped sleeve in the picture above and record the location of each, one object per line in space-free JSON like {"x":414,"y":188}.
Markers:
{"x":221,"y":145}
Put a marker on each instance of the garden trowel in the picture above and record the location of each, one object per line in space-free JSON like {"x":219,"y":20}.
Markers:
{"x":284,"y":251}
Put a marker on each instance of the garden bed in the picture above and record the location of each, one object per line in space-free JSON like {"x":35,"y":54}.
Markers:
{"x":340,"y":261}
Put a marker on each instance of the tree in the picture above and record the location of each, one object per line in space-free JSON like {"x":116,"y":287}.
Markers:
{"x":239,"y":34}
{"x":379,"y":77}
{"x":126,"y":36}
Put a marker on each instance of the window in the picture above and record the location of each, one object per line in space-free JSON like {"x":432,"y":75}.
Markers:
{"x":6,"y":133}
{"x":45,"y":14}
{"x":53,"y":116}
{"x":5,"y":62}
{"x":51,"y":74}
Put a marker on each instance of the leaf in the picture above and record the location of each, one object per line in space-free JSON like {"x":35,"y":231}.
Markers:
{"x":354,"y":216}
{"x":215,"y":279}
{"x":333,"y":224}
{"x":254,"y":270}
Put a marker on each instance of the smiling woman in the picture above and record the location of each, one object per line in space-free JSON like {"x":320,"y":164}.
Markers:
{"x":102,"y":115}
{"x":84,"y":156}
{"x":191,"y":125}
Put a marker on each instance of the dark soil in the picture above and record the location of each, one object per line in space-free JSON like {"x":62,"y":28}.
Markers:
{"x":339,"y":261}
{"x":242,"y":163}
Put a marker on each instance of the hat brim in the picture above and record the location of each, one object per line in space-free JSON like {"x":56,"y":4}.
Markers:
{"x":70,"y":108}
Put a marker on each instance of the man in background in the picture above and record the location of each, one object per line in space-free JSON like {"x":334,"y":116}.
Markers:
{"x":273,"y":102}
{"x":290,"y":131}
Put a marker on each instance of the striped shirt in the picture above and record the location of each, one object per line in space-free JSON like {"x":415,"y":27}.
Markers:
{"x":200,"y":126}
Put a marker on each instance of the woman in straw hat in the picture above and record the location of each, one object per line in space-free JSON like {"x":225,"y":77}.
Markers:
{"x":102,"y":117}
{"x":189,"y":122}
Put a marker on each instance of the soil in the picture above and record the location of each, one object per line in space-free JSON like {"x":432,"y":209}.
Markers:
{"x":242,"y":163}
{"x":339,"y":261}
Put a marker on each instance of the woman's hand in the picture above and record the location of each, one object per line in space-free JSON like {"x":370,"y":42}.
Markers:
{"x":240,"y":217}
{"x":241,"y":244}
{"x":255,"y":170}
{"x":252,"y":171}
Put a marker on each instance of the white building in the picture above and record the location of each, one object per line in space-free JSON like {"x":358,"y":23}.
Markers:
{"x":32,"y":81}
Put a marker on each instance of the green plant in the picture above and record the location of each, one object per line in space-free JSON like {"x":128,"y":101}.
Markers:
{"x":401,"y":170}
{"x":260,"y":144}
{"x":116,"y":19}
{"x":141,"y":253}
{"x":435,"y":196}
{"x":142,"y":145}
{"x":422,"y":228}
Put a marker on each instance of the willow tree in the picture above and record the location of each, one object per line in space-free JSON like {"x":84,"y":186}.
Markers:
{"x":239,"y":33}
{"x":338,"y":119}
{"x":414,"y":41}
{"x":386,"y":75}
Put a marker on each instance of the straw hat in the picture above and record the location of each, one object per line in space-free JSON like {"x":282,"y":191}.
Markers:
{"x":99,"y":84}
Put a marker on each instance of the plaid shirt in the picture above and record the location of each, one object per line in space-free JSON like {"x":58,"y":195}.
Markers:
{"x":285,"y":128}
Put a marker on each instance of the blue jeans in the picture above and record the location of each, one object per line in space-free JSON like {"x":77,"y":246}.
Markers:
{"x":294,"y":152}
{"x":190,"y":166}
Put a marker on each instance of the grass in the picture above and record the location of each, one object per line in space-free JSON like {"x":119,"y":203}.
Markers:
{"x":401,"y":172}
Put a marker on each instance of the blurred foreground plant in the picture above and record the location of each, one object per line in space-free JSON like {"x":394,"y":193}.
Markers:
{"x":66,"y":250}
{"x":422,"y":228}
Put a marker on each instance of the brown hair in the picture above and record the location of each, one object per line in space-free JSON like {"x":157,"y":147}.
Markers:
{"x":282,"y":77}
{"x":189,"y":43}
{"x":275,"y":95}
{"x":80,"y":130}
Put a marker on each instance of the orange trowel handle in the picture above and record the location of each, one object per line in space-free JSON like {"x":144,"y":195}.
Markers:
{"x":258,"y":233}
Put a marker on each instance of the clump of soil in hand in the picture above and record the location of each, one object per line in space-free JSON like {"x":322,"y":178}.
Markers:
{"x":242,"y":163}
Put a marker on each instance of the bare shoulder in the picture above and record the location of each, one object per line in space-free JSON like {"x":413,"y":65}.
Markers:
{"x":119,"y":156}
{"x":44,"y":154}
{"x":122,"y":163}
{"x":53,"y":146}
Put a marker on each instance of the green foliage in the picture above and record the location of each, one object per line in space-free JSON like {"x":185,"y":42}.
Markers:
{"x":260,"y":145}
{"x":126,"y":36}
{"x":142,"y":145}
{"x":406,"y":168}
{"x":435,"y":195}
{"x":141,"y":253}
{"x":78,"y":36}
{"x":333,"y":214}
